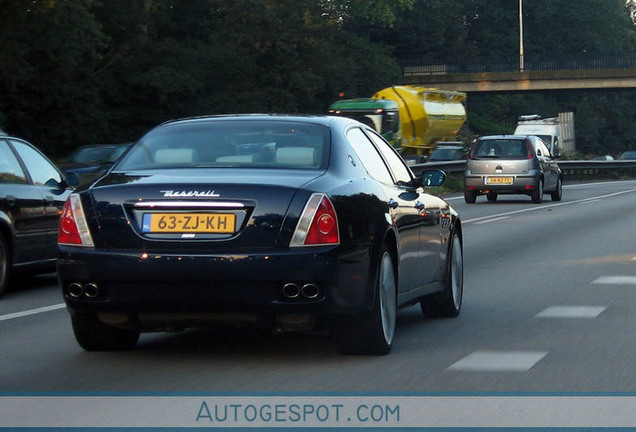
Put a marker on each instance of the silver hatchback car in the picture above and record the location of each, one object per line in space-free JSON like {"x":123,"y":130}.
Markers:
{"x":511,"y":164}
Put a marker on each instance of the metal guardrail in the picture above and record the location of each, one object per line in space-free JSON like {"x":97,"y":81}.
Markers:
{"x":572,"y":170}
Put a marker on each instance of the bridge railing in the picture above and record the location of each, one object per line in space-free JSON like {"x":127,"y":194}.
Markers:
{"x":572,"y":170}
{"x":481,"y":64}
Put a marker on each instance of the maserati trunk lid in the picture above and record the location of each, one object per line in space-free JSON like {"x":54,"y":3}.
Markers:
{"x":196,"y":210}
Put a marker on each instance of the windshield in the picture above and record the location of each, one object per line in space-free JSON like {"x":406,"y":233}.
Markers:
{"x":384,"y":122}
{"x":98,"y":154}
{"x":238,"y":144}
{"x":446,"y":154}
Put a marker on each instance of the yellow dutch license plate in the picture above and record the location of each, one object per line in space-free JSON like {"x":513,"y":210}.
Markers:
{"x":499,"y":180}
{"x":217,"y":223}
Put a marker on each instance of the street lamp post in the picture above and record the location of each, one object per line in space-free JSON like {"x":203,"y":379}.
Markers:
{"x":521,"y":62}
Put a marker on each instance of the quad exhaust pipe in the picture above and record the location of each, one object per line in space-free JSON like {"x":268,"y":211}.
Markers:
{"x":78,"y":290}
{"x":308,"y":291}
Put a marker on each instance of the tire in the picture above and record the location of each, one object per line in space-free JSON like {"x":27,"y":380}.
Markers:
{"x":470,"y":197}
{"x":491,"y":197}
{"x":93,"y":335}
{"x":373,"y":333}
{"x":5,"y":264}
{"x":449,"y":302}
{"x":558,"y":193}
{"x":537,"y":195}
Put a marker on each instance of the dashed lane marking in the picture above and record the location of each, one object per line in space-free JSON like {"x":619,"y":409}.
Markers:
{"x":492,"y":220}
{"x":616,"y":280}
{"x":498,"y":361}
{"x":32,"y":312}
{"x":571,"y":312}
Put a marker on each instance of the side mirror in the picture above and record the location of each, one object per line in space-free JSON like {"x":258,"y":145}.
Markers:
{"x":432,"y":178}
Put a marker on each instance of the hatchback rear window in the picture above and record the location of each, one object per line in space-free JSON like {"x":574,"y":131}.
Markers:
{"x":500,"y":149}
{"x":236,"y":144}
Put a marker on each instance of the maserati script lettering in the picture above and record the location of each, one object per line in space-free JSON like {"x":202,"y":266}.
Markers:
{"x":194,"y":193}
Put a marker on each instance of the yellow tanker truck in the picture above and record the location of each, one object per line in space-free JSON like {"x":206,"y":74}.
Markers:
{"x":414,"y":119}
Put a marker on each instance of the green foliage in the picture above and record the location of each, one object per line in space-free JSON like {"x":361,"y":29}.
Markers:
{"x":75,"y":72}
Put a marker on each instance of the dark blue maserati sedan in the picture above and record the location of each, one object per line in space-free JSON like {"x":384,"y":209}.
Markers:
{"x":282,"y":222}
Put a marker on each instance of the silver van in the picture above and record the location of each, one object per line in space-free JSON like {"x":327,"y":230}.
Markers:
{"x":511,"y":164}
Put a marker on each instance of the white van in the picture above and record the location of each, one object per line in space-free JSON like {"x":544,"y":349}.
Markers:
{"x":556,"y":132}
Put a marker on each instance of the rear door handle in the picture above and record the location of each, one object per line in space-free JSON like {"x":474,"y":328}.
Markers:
{"x":393,"y":203}
{"x":420,"y":205}
{"x":11,"y":200}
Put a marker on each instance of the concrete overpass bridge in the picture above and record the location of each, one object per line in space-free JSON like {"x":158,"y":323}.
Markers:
{"x":513,"y":75}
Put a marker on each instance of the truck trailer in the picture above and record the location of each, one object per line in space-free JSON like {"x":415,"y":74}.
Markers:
{"x":413,"y":119}
{"x":556,"y":132}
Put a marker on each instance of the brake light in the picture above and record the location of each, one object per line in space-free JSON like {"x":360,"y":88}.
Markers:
{"x":529,"y":149}
{"x":73,"y":229}
{"x":318,"y":223}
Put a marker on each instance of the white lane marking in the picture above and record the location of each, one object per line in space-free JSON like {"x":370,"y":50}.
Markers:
{"x":492,"y":220}
{"x":543,"y":207}
{"x":572,"y":186}
{"x":498,"y":361}
{"x":32,"y":312}
{"x":571,"y":312}
{"x":593,"y":200}
{"x":616,"y":280}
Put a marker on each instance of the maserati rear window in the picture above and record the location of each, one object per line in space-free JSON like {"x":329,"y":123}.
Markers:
{"x":235,"y":144}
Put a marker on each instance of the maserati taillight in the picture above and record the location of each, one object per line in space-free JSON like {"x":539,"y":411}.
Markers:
{"x":73,"y":229}
{"x":318,"y":223}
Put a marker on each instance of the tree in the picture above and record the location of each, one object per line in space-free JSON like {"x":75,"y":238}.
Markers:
{"x":47,"y":57}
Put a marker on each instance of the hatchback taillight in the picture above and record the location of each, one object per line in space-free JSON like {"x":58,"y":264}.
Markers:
{"x":73,"y":229}
{"x":318,"y":223}
{"x":529,"y":149}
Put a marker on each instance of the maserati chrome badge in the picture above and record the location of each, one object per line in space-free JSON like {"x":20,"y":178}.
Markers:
{"x":193,"y":193}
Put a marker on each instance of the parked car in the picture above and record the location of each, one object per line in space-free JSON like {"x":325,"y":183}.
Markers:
{"x":511,"y":164}
{"x":32,"y":193}
{"x":628,"y":155}
{"x":91,"y":161}
{"x":447,"y":153}
{"x":287,"y":222}
{"x":603,"y":158}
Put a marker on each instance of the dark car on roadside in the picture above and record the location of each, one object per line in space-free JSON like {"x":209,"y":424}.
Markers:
{"x":289,"y":223}
{"x":511,"y":164}
{"x":447,"y":153}
{"x":628,"y":155}
{"x":32,"y":194}
{"x":91,"y":161}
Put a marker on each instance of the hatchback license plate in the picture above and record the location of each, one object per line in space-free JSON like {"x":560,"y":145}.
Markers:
{"x":218,"y":223}
{"x":498,"y":180}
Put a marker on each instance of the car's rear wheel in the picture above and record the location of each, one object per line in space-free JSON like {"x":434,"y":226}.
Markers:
{"x":449,"y":302}
{"x":5,"y":264}
{"x":373,"y":333}
{"x":558,"y":193}
{"x":93,"y":335}
{"x":470,"y":197}
{"x":491,"y":197}
{"x":537,"y":195}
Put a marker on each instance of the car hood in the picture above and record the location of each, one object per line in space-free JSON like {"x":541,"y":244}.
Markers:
{"x":265,"y":206}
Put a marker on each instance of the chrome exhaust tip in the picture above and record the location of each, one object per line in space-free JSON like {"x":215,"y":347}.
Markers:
{"x":91,"y":290}
{"x":310,"y":291}
{"x":291,"y":290}
{"x":75,"y":290}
